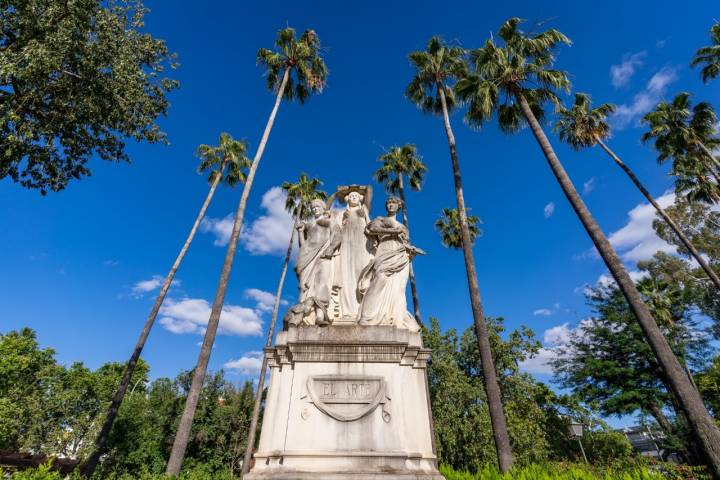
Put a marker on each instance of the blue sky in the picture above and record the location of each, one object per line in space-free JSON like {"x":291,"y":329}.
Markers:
{"x":74,"y":263}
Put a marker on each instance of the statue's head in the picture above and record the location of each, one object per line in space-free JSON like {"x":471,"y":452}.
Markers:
{"x":393,"y":205}
{"x":353,"y":199}
{"x":317,"y":207}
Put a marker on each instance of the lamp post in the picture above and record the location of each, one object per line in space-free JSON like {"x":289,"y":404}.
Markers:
{"x":575,"y":429}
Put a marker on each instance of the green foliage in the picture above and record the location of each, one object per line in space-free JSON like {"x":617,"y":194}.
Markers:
{"x":302,"y":57}
{"x":448,"y":225}
{"x":46,"y":408}
{"x":229,"y":159}
{"x":687,"y":135}
{"x":581,"y":126}
{"x":632,"y":471}
{"x":521,"y":65}
{"x":301,"y":194}
{"x":436,"y":69}
{"x":709,"y":56}
{"x":535,"y":416}
{"x":76,"y":79}
{"x":399,"y":161}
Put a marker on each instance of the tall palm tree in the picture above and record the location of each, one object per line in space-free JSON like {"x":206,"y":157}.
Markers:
{"x":583,"y":126}
{"x":437,"y":68}
{"x":687,"y":135}
{"x":294,"y":71}
{"x":398,"y":162}
{"x":297,"y":203}
{"x":224,"y":163}
{"x":514,"y":81}
{"x":448,"y":225}
{"x":709,"y":56}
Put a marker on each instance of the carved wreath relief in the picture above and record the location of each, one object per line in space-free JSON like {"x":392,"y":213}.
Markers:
{"x":347,"y":398}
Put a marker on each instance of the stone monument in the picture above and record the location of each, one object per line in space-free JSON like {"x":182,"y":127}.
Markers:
{"x":348,"y":395}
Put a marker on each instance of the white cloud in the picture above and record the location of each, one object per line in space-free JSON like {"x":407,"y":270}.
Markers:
{"x":549,"y":209}
{"x":145,"y":286}
{"x":646,"y":100}
{"x":540,"y":363}
{"x":553,"y":338}
{"x":265,"y":300}
{"x":269,"y":233}
{"x":190,"y":315}
{"x":589,"y":186}
{"x":220,"y":227}
{"x":557,"y":335}
{"x":249,"y":364}
{"x":621,"y":74}
{"x":543,"y":312}
{"x":637,"y":240}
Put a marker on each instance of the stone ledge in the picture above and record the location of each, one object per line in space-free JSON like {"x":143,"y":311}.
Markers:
{"x":348,"y":344}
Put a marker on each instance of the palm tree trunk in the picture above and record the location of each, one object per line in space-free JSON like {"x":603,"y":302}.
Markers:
{"x":714,"y":161}
{"x":413,"y":287}
{"x":183,"y":432}
{"x":88,"y":468}
{"x":671,"y":223}
{"x":263,"y":369}
{"x":701,"y":422}
{"x":492,"y":388}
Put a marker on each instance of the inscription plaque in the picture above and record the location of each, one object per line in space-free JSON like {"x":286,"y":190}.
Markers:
{"x":348,"y":398}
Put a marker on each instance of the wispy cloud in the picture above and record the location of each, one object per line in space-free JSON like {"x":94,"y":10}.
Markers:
{"x":145,"y":286}
{"x":265,"y":300}
{"x":637,"y":239}
{"x":248,"y":364}
{"x":111,"y":263}
{"x":220,"y":227}
{"x":191,"y":315}
{"x":622,"y":73}
{"x":549,"y":209}
{"x":589,"y":186}
{"x":646,"y":100}
{"x":545,"y":312}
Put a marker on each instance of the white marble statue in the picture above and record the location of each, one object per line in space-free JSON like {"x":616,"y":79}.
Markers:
{"x":313,"y":268}
{"x":350,"y":250}
{"x":384,"y":280}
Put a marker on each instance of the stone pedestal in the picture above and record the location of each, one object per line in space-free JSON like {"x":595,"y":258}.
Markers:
{"x":346,"y":402}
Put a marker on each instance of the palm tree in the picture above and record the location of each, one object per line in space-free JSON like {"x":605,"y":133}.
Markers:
{"x":294,"y":71}
{"x":687,"y":135}
{"x":397,"y":163}
{"x":297,"y":203}
{"x":709,"y":56}
{"x":436,"y":68}
{"x":584,"y":126}
{"x":514,"y":82}
{"x":448,"y":225}
{"x":224,"y":163}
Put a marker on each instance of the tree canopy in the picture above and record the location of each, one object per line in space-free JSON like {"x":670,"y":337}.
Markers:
{"x":76,"y":80}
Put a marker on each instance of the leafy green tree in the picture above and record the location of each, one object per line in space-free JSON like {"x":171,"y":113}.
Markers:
{"x":294,"y":71}
{"x":513,"y":80}
{"x":708,"y":382}
{"x":686,"y":134}
{"x":583,"y":126}
{"x":436,"y":68}
{"x":606,"y":361}
{"x":709,"y":56}
{"x":399,"y":162}
{"x":225,"y":162}
{"x":76,"y":79}
{"x":299,"y":197}
{"x":448,"y":226}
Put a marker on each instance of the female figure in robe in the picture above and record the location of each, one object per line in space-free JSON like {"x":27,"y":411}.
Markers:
{"x":383,"y":282}
{"x":353,"y":254}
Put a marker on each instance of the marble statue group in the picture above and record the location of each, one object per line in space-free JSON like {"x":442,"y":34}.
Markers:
{"x":353,"y":270}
